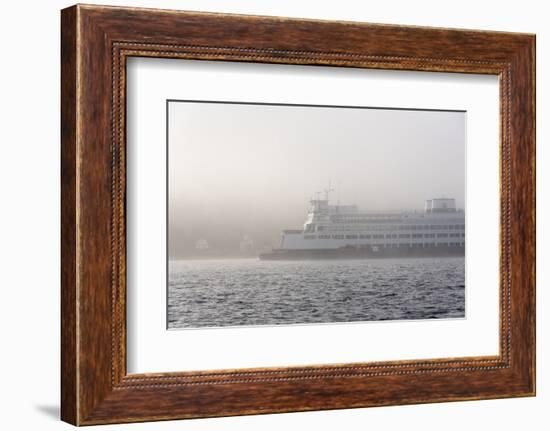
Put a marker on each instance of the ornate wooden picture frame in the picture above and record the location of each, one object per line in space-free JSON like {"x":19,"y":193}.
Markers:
{"x":96,"y":41}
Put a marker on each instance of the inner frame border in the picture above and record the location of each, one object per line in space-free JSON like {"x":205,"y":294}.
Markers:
{"x":122,"y":50}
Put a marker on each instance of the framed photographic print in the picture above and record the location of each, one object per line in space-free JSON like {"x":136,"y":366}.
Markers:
{"x":268,"y":215}
{"x":248,"y":246}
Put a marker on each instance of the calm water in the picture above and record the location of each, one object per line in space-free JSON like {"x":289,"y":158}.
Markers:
{"x":253,"y":292}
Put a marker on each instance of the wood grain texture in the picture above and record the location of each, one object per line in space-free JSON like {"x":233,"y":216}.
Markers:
{"x":96,"y":41}
{"x":69,"y":367}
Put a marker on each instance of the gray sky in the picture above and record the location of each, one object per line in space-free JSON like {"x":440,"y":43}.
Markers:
{"x":237,"y":169}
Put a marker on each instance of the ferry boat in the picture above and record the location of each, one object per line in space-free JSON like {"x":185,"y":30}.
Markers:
{"x":344,"y":232}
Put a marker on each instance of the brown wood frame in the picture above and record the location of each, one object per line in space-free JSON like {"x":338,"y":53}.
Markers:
{"x":95,"y":43}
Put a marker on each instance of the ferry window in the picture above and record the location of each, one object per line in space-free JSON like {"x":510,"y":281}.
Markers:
{"x":429,"y":235}
{"x":404,"y":235}
{"x":417,"y":235}
{"x":442,"y":235}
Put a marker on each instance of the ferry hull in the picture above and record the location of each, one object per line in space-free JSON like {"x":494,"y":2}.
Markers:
{"x":364,"y":253}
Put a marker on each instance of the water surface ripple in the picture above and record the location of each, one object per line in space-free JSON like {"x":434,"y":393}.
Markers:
{"x":239,"y":292}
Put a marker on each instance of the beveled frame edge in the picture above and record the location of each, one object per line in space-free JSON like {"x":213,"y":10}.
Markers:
{"x":96,"y":41}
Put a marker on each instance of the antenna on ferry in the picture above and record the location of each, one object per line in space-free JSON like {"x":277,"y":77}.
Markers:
{"x":327,"y":191}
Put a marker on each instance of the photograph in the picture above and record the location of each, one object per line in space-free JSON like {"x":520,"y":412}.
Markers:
{"x":283,"y":214}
